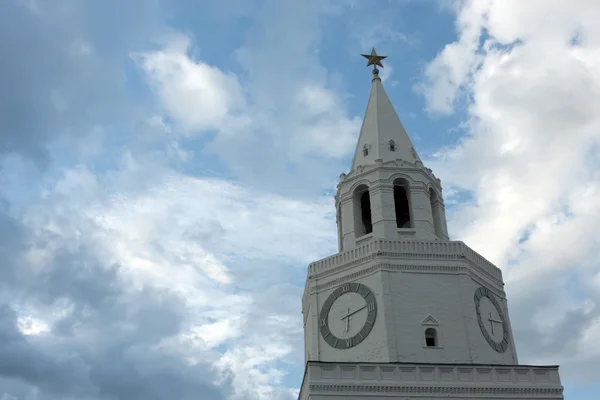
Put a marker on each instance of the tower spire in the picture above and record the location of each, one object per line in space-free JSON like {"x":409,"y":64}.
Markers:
{"x":382,"y":136}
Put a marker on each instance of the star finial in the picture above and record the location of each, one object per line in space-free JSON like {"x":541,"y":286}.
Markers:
{"x":374,"y":60}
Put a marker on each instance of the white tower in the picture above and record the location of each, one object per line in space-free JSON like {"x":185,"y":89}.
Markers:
{"x":401,"y":311}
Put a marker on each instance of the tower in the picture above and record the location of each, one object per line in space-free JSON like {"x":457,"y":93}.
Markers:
{"x":401,"y":311}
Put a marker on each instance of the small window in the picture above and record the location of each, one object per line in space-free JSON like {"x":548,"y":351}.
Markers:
{"x":392,"y":145}
{"x":430,"y":337}
{"x":365,"y":150}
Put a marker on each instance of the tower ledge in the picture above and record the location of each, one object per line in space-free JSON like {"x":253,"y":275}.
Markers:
{"x":412,"y":381}
{"x":405,"y":249}
{"x":364,"y":169}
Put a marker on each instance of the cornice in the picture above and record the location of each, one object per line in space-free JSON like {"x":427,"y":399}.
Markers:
{"x":436,"y":380}
{"x":393,"y":165}
{"x":422,"y":268}
{"x":406,"y":389}
{"x":405,"y":249}
{"x":389,"y":267}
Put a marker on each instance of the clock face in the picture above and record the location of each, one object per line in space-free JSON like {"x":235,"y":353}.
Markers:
{"x":491,"y":319}
{"x":348,"y":315}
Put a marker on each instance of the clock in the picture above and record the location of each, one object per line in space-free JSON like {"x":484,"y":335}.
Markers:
{"x":348,"y":315}
{"x":491,"y":319}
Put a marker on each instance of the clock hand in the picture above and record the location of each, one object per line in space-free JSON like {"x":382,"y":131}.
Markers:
{"x":348,"y":321}
{"x":353,"y":312}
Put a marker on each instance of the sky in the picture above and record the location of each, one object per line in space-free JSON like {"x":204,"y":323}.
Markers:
{"x":167,"y":172}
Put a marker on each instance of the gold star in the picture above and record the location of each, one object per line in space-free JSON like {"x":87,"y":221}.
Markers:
{"x":373,"y":58}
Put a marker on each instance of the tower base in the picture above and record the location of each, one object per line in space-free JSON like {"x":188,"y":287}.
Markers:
{"x":408,"y":381}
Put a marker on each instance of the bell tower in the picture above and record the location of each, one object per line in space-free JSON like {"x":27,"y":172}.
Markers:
{"x":401,"y":311}
{"x":389,"y":194}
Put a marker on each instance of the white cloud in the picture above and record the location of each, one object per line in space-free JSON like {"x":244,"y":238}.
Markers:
{"x":532,"y":126}
{"x":449,"y":71}
{"x":285,"y":112}
{"x":196,"y":95}
{"x":32,"y":326}
{"x":199,"y":238}
{"x":321,"y":127}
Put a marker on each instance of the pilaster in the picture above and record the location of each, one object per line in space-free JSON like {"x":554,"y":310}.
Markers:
{"x":382,"y":208}
{"x":422,"y":212}
{"x":347,"y":222}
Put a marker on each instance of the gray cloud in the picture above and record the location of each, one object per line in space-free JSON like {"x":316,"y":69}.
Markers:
{"x":61,"y":70}
{"x":104,"y":343}
{"x":62,"y":74}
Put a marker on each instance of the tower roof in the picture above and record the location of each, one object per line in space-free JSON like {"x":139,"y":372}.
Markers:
{"x":382,"y":135}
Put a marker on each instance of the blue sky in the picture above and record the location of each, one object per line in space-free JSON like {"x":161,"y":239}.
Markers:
{"x":167,"y":171}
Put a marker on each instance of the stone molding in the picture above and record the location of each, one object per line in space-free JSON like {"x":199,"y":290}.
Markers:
{"x":433,"y":269}
{"x":388,"y":267}
{"x":406,"y":249}
{"x":362,"y":170}
{"x":435,"y":390}
{"x":420,"y":189}
{"x":439,"y":380}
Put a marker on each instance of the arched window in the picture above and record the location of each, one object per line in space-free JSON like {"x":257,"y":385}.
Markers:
{"x":362,"y":211}
{"x":392,"y":145}
{"x":401,"y":203}
{"x":365,"y":212}
{"x":436,"y":210}
{"x":430,"y":337}
{"x":365,"y":150}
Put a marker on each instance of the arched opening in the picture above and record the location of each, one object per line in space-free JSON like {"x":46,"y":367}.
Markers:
{"x":392,"y":145}
{"x":362,"y":211}
{"x":436,"y":210}
{"x":365,"y":212}
{"x":401,"y":203}
{"x":430,"y":337}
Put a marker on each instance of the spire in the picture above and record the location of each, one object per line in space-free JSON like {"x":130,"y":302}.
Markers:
{"x":382,"y":135}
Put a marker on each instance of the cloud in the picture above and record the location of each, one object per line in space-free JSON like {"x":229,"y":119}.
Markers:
{"x":172,"y":279}
{"x":197,"y":96}
{"x":286,"y":114}
{"x":123,"y":278}
{"x":62,"y":72}
{"x":529,"y":87}
{"x":105,"y":334}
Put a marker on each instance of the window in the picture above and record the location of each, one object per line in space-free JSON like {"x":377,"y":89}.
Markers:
{"x":430,"y":337}
{"x":431,"y":333}
{"x":392,"y":145}
{"x":365,"y":150}
{"x":365,"y":211}
{"x":362,"y":211}
{"x":401,"y":204}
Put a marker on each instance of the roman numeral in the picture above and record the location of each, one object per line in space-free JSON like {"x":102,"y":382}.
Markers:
{"x":371,"y":306}
{"x":349,"y":342}
{"x":345,"y":288}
